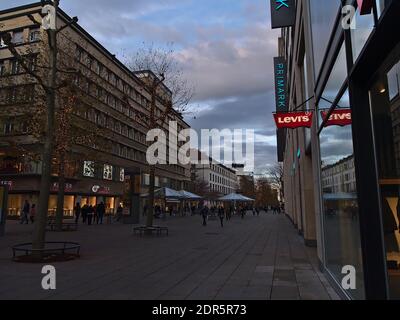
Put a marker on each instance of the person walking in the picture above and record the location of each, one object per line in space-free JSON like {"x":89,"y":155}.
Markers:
{"x":77,"y":212}
{"x":32,"y":213}
{"x":242,"y":212}
{"x":90,"y":214}
{"x":119,"y":213}
{"x":25,"y":212}
{"x":145,"y":210}
{"x":221,"y":215}
{"x":204,"y":214}
{"x":95,"y":215}
{"x":84,"y":211}
{"x":100,"y":210}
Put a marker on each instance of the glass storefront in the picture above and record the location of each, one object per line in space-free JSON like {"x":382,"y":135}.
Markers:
{"x":340,"y":214}
{"x":323,"y":15}
{"x":385,"y":110}
{"x":16,"y":202}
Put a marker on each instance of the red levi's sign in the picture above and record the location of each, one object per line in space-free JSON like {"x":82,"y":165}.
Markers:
{"x":293,"y":120}
{"x":340,"y":117}
{"x":365,"y":6}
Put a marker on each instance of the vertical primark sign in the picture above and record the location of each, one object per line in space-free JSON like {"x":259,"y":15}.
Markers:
{"x":281,"y":98}
{"x":283,"y":13}
{"x":280,"y":70}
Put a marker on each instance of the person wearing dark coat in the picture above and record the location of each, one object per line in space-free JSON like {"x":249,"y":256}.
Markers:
{"x":100,"y":210}
{"x":77,"y":211}
{"x":221,"y":215}
{"x":90,"y":213}
{"x":204,"y":214}
{"x":84,"y":212}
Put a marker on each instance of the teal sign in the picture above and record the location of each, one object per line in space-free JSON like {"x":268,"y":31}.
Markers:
{"x":281,"y":3}
{"x":283,"y":13}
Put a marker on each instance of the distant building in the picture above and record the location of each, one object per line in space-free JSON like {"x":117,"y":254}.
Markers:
{"x":219,"y":178}
{"x":340,"y":177}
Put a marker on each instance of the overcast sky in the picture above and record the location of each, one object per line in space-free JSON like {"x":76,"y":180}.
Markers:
{"x":225,"y":47}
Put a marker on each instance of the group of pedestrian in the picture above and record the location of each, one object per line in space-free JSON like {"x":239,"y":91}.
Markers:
{"x":90,"y":214}
{"x":28,"y":213}
{"x":205,"y":211}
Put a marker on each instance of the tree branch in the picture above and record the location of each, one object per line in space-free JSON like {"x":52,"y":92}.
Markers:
{"x":8,"y":42}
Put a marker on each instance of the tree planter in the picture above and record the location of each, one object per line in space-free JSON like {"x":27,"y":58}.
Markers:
{"x":53,"y":252}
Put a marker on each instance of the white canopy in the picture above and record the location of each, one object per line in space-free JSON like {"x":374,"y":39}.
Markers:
{"x":236,"y":197}
{"x":190,"y":196}
{"x":166,"y":193}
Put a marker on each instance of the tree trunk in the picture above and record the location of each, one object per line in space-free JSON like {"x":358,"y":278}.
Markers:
{"x":150,"y":211}
{"x":60,"y":195}
{"x":39,"y":232}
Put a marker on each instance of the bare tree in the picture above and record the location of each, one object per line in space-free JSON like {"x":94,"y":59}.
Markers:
{"x":264,"y":194}
{"x":170,"y":95}
{"x":47,"y":77}
{"x":247,"y":186}
{"x":275,"y":174}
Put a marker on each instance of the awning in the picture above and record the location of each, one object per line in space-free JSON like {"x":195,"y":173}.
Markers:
{"x":236,"y":197}
{"x":189,"y":196}
{"x":165,"y":193}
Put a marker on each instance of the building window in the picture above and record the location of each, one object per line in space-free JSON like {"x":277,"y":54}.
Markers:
{"x":17,"y":37}
{"x":107,"y":172}
{"x":15,"y":67}
{"x":34,"y":35}
{"x":8,"y":127}
{"x":146,"y":179}
{"x":122,"y":174}
{"x":2,"y":69}
{"x":88,"y":169}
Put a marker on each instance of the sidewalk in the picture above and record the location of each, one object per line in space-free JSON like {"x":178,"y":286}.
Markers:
{"x":258,"y":258}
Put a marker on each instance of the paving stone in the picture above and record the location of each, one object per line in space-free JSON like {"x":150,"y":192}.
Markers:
{"x":257,"y":258}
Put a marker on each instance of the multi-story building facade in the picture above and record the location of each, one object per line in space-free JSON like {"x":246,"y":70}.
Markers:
{"x":115,"y":99}
{"x":219,"y":179}
{"x":339,"y":177}
{"x":342,"y":182}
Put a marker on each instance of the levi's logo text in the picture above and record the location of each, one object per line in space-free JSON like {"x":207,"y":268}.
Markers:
{"x":293,"y":120}
{"x":339,"y":117}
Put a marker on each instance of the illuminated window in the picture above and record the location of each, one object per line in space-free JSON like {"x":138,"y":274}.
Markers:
{"x":88,"y":169}
{"x":108,"y":172}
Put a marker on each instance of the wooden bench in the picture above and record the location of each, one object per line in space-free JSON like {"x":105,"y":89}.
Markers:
{"x":66,"y":226}
{"x":157,"y":229}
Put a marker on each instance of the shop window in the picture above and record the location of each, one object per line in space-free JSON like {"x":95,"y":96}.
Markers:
{"x":323,"y":16}
{"x":359,"y":35}
{"x":341,"y":229}
{"x":393,"y":78}
{"x":385,"y":106}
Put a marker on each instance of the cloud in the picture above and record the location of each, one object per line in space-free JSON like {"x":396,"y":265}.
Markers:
{"x":225,"y":48}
